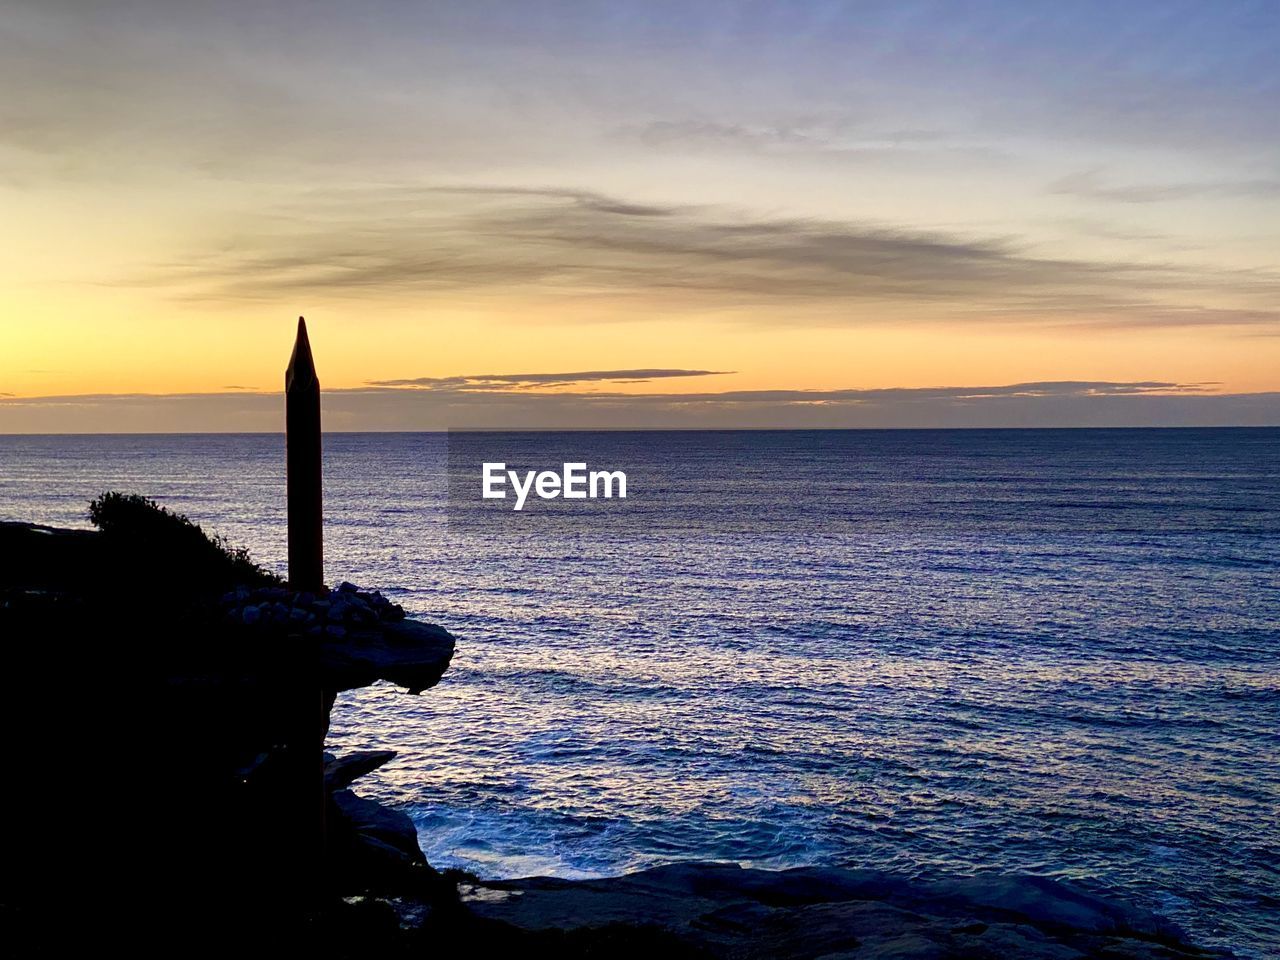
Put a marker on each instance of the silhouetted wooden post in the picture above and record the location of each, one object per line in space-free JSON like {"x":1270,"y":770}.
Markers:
{"x":306,"y":573}
{"x":302,"y":466}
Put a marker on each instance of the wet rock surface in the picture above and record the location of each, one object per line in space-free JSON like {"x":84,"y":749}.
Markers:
{"x":723,"y":910}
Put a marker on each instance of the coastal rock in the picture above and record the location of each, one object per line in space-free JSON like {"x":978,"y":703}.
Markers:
{"x":1051,"y":905}
{"x":226,"y":686}
{"x":362,"y":636}
{"x":390,"y":827}
{"x":723,"y":910}
{"x":376,"y":846}
{"x":408,"y":653}
{"x":341,"y":772}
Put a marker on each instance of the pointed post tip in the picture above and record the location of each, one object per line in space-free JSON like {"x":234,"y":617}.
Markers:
{"x":301,"y":370}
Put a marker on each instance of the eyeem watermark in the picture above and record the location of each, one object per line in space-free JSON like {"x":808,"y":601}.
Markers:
{"x":573,"y":482}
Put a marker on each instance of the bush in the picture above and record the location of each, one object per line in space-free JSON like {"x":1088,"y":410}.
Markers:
{"x":163,"y":545}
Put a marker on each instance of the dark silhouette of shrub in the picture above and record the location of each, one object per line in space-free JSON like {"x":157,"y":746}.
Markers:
{"x":162,"y":546}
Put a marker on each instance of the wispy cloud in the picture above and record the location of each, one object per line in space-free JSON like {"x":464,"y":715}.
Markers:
{"x":1093,"y":185}
{"x":507,"y":381}
{"x":1037,"y":390}
{"x":833,"y":139}
{"x":565,"y":242}
{"x":711,"y":134}
{"x":587,"y":200}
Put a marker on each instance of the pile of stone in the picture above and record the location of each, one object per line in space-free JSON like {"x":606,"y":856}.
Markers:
{"x":331,"y":613}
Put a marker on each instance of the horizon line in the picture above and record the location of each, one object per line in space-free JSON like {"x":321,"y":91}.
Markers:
{"x":487,"y":430}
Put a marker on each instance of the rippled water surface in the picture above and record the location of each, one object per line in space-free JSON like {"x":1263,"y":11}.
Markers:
{"x":1054,"y":652}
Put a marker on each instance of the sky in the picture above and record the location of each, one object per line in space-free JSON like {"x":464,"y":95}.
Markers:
{"x":640,"y":214}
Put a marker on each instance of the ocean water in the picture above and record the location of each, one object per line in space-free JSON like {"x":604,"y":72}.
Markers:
{"x":1049,"y":652}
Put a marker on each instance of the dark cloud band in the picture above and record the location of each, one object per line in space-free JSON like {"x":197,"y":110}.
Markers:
{"x":394,"y":241}
{"x":1057,"y":403}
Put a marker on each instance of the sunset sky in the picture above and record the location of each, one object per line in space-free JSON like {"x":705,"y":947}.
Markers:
{"x":640,"y":213}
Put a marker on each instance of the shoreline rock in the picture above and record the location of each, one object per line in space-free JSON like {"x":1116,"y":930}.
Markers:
{"x":725,"y":910}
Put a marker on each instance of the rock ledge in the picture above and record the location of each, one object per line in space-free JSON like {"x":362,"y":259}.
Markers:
{"x":723,"y":910}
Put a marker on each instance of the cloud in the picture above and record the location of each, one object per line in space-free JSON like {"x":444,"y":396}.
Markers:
{"x":1092,"y":185}
{"x":513,"y":406}
{"x":1037,"y":390}
{"x":837,"y":139}
{"x":582,"y":199}
{"x":295,"y":86}
{"x":505,"y":381}
{"x":570,"y":243}
{"x":699,"y":134}
{"x":830,"y":135}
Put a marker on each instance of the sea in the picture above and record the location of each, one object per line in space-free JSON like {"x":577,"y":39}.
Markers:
{"x":940,"y":653}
